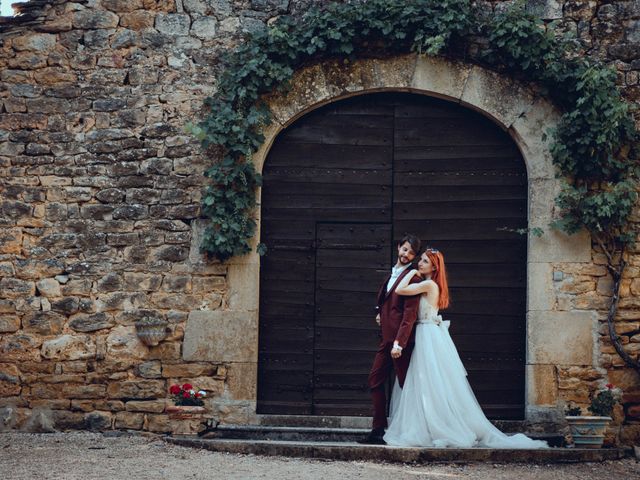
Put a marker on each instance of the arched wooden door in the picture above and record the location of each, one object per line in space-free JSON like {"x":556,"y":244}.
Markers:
{"x":341,"y":185}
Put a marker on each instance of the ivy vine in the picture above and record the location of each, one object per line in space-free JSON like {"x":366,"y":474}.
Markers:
{"x":595,"y":145}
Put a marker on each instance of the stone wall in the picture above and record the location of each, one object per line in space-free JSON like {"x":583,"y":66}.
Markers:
{"x":100,"y":215}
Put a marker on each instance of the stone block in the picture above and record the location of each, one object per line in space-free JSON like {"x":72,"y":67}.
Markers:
{"x":68,"y":347}
{"x":242,"y":291}
{"x":19,"y":348}
{"x":496,"y":95}
{"x":234,"y":412}
{"x":553,"y":245}
{"x":92,"y":322}
{"x":122,"y":5}
{"x":111,"y":282}
{"x":531,"y":133}
{"x":176,"y":283}
{"x":7,"y":306}
{"x":309,"y":88}
{"x":270,"y":132}
{"x":138,"y":20}
{"x":165,"y":351}
{"x":151,"y":406}
{"x":149,"y":369}
{"x":158,"y":423}
{"x":440,"y":77}
{"x":15,"y":288}
{"x":181,"y":301}
{"x":83,"y":391}
{"x":128,"y":420}
{"x":10,"y":241}
{"x":188,"y":370}
{"x":395,"y":72}
{"x":173,"y":24}
{"x":204,"y":28}
{"x":542,"y":385}
{"x":9,"y":380}
{"x":98,"y":421}
{"x":37,"y":367}
{"x":110,"y":405}
{"x":64,"y":420}
{"x":208,"y":284}
{"x":123,"y":343}
{"x":344,"y":76}
{"x":221,"y":336}
{"x":242,"y":381}
{"x":221,"y":7}
{"x":95,"y":19}
{"x":171,"y":253}
{"x":43,"y":323}
{"x":34,"y":269}
{"x":121,"y":301}
{"x":545,"y":9}
{"x":560,"y":338}
{"x":36,"y":42}
{"x":139,"y":390}
{"x":9,"y":323}
{"x":540,"y":291}
{"x":53,"y":404}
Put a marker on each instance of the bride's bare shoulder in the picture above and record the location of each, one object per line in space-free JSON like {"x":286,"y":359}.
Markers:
{"x":430,"y":284}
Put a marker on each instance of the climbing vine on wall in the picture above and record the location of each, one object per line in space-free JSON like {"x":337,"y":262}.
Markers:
{"x":594,"y":146}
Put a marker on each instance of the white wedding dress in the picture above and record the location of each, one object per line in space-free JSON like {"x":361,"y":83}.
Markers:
{"x":436,"y":407}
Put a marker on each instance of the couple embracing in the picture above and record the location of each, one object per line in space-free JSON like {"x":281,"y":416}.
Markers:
{"x":432,"y":404}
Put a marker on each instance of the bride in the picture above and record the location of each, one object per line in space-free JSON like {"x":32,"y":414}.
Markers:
{"x":436,"y":406}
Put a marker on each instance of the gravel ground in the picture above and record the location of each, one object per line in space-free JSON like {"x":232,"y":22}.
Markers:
{"x":86,"y":456}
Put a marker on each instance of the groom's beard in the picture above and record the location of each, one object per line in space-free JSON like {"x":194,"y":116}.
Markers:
{"x":404,"y":260}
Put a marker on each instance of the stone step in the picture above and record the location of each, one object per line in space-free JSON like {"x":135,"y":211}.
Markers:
{"x":325,"y":421}
{"x":353,"y":451}
{"x":319,"y":434}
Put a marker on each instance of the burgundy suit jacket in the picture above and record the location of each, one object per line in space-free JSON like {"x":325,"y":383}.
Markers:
{"x":398,"y":313}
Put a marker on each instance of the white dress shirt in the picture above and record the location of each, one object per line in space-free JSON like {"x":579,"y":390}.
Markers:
{"x":395,"y":273}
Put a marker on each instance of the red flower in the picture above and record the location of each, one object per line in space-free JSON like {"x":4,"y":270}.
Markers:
{"x":185,"y":395}
{"x":174,"y":389}
{"x":187,"y":386}
{"x":198,"y":395}
{"x":609,"y":386}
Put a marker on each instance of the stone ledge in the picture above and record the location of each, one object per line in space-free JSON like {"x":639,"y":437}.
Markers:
{"x":353,"y":451}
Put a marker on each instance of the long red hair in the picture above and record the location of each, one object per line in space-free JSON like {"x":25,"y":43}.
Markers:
{"x":439,"y":275}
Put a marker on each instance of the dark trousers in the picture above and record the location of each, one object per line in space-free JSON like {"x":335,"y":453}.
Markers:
{"x":380,"y":372}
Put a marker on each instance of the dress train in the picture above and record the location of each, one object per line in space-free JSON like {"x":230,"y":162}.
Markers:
{"x":437,"y":407}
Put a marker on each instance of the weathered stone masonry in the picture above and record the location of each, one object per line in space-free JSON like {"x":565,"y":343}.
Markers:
{"x":100,"y":206}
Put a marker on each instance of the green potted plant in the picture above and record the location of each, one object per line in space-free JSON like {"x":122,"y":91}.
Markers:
{"x":588,"y":430}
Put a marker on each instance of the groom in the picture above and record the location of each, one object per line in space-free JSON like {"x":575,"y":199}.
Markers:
{"x":396,"y":316}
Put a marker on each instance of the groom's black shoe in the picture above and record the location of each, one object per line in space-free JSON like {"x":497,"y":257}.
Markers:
{"x":374,"y":437}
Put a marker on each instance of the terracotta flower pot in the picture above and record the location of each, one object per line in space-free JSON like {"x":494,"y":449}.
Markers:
{"x":186,"y":420}
{"x":588,"y":432}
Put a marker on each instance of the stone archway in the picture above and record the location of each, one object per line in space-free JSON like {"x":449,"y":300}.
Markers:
{"x":554,"y":336}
